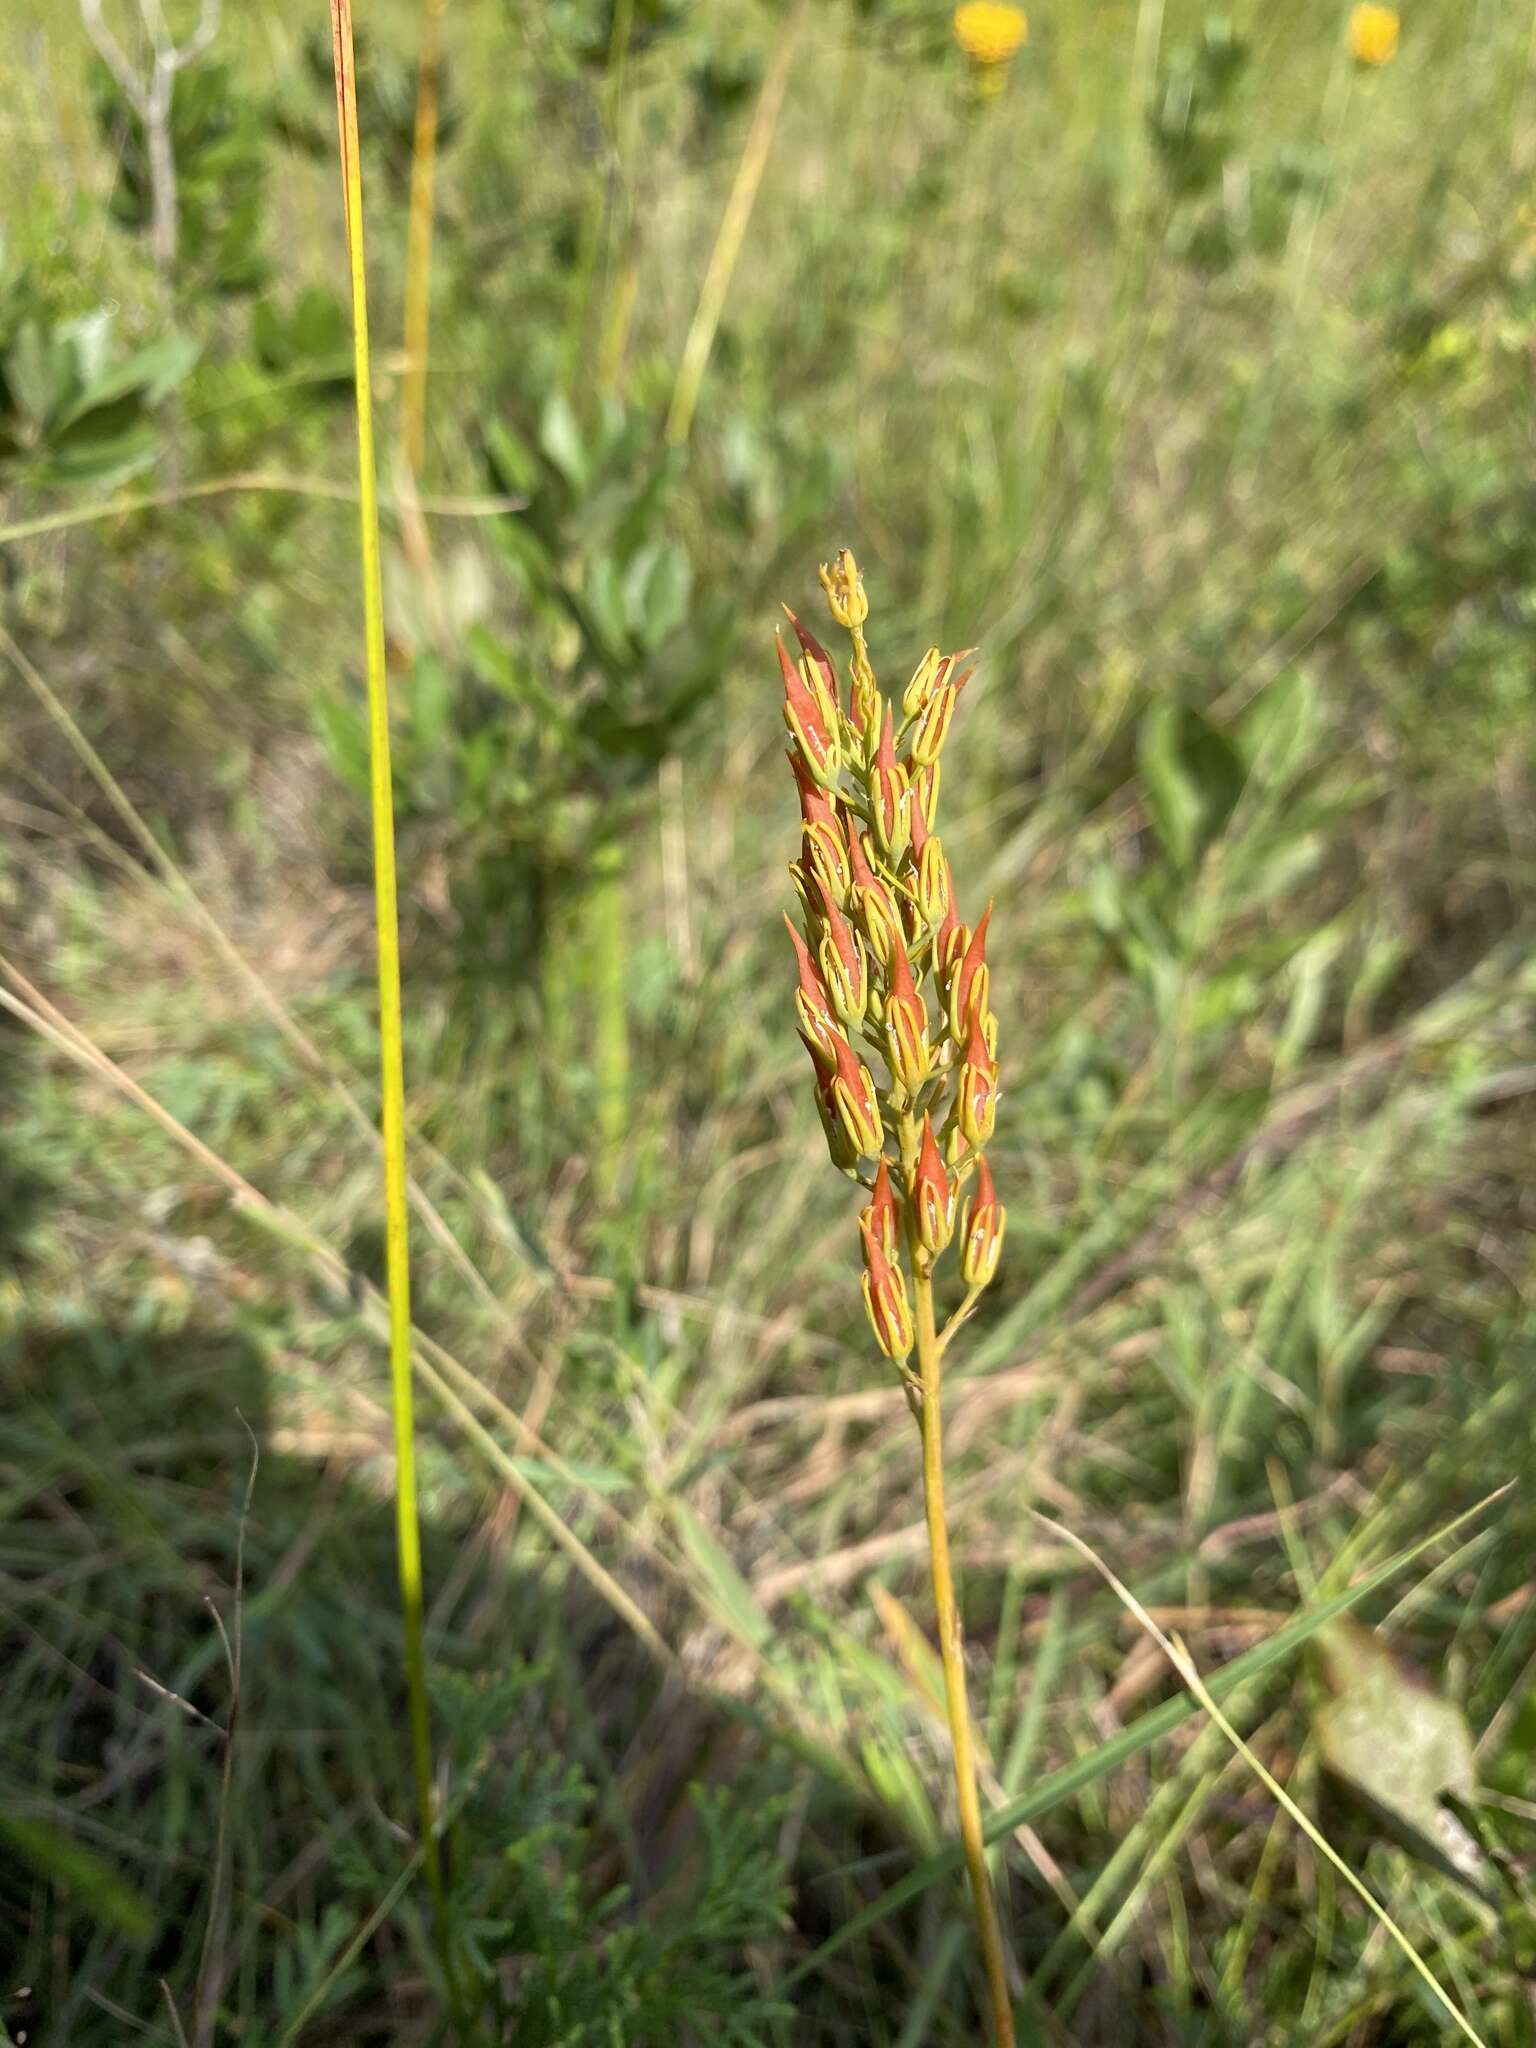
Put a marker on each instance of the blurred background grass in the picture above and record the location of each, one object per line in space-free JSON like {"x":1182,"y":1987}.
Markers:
{"x":1189,"y":374}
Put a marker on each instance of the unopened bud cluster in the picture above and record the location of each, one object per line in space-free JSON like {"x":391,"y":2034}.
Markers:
{"x":893,"y":985}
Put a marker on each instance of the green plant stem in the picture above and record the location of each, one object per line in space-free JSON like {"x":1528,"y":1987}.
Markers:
{"x":951,"y":1649}
{"x":391,"y":1053}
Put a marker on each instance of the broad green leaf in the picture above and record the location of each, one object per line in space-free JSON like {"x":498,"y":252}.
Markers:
{"x":147,"y":376}
{"x":1192,"y":777}
{"x":560,"y":438}
{"x":1399,"y":1748}
{"x":660,"y":604}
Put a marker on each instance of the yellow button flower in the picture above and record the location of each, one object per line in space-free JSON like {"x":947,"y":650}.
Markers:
{"x":1373,"y":34}
{"x":990,"y":32}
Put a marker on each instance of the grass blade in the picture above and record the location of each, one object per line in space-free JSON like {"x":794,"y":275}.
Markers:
{"x":391,"y":1053}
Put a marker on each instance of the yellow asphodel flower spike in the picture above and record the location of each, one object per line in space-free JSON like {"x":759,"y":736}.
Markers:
{"x":1373,"y":34}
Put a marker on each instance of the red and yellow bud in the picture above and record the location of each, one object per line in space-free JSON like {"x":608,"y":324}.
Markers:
{"x":925,"y":793}
{"x":852,"y":1097}
{"x":811,"y":1005}
{"x":932,"y":887}
{"x":870,"y":903}
{"x":969,"y":981}
{"x":982,"y":1224}
{"x":890,"y":795}
{"x":906,"y":1024}
{"x":951,"y":938}
{"x":811,"y":717}
{"x":932,"y":727}
{"x":824,"y":853}
{"x":842,"y":1154}
{"x":933,"y":1196}
{"x":881,"y":1220}
{"x":845,"y":591}
{"x":976,"y":1090}
{"x":840,"y":957}
{"x":885,"y":1301}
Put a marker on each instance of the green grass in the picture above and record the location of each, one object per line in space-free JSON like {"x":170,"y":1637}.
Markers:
{"x":1247,"y":768}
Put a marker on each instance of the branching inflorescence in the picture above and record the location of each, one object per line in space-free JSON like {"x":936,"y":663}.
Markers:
{"x":886,"y":963}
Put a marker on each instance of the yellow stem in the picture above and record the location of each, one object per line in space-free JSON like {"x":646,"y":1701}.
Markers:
{"x":732,"y":231}
{"x":391,"y":1054}
{"x":951,"y":1651}
{"x":418,"y":247}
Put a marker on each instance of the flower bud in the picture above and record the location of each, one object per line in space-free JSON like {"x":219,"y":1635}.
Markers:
{"x":890,"y":797}
{"x":885,"y":1301}
{"x":906,"y":1024}
{"x":824,"y":853}
{"x":870,"y":902}
{"x":845,"y":591}
{"x":852,"y":1093}
{"x":841,"y":1153}
{"x":916,"y":694}
{"x":811,"y":718}
{"x":982,"y":1223}
{"x":951,"y":938}
{"x":841,"y":960}
{"x":969,"y":981}
{"x":933,"y":1197}
{"x":881,"y":1220}
{"x":932,"y":727}
{"x":925,"y":792}
{"x":932,"y":888}
{"x":976,"y":1091}
{"x":811,"y":1005}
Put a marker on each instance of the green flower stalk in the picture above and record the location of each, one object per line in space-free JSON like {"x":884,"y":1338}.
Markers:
{"x":888,"y":972}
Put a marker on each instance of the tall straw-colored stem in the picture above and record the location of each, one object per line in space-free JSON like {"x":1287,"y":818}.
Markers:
{"x":951,"y":1651}
{"x":418,"y":245}
{"x":391,"y":1054}
{"x":732,"y":231}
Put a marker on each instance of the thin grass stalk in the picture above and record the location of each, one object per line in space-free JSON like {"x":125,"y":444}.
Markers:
{"x":391,"y":1051}
{"x":609,"y":956}
{"x":418,"y":246}
{"x":930,"y":1365}
{"x":732,"y":231}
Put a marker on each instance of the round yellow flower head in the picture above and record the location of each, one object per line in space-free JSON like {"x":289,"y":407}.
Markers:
{"x":990,"y":32}
{"x":1373,"y":34}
